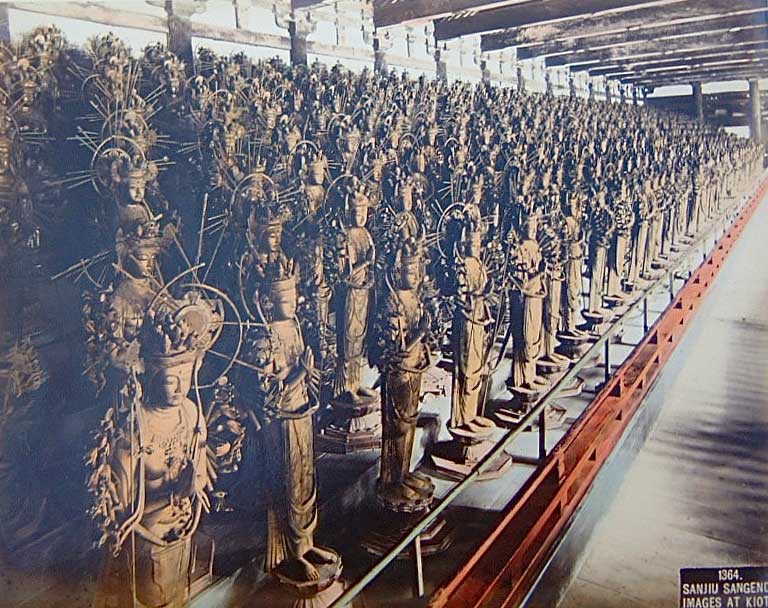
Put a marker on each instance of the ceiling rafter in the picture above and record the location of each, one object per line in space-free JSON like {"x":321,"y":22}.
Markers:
{"x":527,"y":12}
{"x":750,"y":35}
{"x":676,"y":12}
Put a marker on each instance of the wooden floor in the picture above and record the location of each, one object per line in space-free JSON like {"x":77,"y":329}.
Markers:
{"x":697,"y":494}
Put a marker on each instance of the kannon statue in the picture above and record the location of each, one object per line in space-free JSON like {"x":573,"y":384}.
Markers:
{"x":150,"y":470}
{"x":527,"y":309}
{"x":403,"y":358}
{"x":289,"y":399}
{"x":358,"y":255}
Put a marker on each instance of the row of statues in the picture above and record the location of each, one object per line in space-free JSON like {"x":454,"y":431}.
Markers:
{"x":285,"y":252}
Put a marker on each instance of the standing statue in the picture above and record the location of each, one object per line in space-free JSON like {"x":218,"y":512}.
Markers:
{"x":572,"y":286}
{"x":623,"y":219}
{"x":289,"y":398}
{"x":601,"y":231}
{"x":471,"y":344}
{"x":150,"y":468}
{"x":403,"y":359}
{"x":527,"y":311}
{"x":356,"y":263}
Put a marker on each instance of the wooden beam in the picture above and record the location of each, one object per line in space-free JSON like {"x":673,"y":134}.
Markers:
{"x":675,"y":11}
{"x":525,"y":12}
{"x":573,"y":46}
{"x":750,"y":35}
{"x":393,"y":12}
{"x":94,"y":13}
{"x":596,"y":68}
{"x":724,"y":74}
{"x":227,"y":34}
{"x":642,"y":68}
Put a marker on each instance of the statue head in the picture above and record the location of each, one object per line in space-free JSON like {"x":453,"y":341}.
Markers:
{"x":358,"y":203}
{"x":138,"y":241}
{"x":411,"y":265}
{"x":175,"y":337}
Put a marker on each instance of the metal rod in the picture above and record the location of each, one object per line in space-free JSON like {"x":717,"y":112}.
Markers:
{"x":607,"y":361}
{"x":418,"y":581}
{"x":542,"y":436}
{"x":503,"y":443}
{"x":645,"y":313}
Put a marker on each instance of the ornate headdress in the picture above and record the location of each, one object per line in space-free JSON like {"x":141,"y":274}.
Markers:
{"x":180,"y":331}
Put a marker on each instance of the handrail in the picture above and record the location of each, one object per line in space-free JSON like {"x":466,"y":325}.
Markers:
{"x":353,"y":591}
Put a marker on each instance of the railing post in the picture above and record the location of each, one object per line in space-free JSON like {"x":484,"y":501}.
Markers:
{"x":542,"y":434}
{"x":418,"y":579}
{"x":645,"y":314}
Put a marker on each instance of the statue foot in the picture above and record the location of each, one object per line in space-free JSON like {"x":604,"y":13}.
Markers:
{"x":307,"y":571}
{"x":365,"y":392}
{"x":318,"y":555}
{"x":419,"y":482}
{"x":404,"y":498}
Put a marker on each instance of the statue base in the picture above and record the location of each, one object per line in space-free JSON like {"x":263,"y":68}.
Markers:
{"x":524,"y":398}
{"x":553,"y":364}
{"x":616,"y":300}
{"x":318,"y":593}
{"x":596,"y":321}
{"x":554,"y":414}
{"x":391,"y":526}
{"x":413,"y":495}
{"x":573,"y":344}
{"x":457,"y":458}
{"x":652,"y":274}
{"x":352,"y":426}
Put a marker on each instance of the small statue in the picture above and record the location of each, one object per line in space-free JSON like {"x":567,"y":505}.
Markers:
{"x":527,"y":309}
{"x":357,"y":261}
{"x":404,"y":357}
{"x":290,"y":382}
{"x":623,"y":219}
{"x":601,"y":231}
{"x":470,"y":331}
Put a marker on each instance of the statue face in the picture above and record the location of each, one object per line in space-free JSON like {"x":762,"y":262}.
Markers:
{"x":136,"y":190}
{"x":166,"y":387}
{"x":273,"y":238}
{"x":318,"y":173}
{"x":140,"y":264}
{"x":411,"y":274}
{"x":532,"y":226}
{"x":359,"y":215}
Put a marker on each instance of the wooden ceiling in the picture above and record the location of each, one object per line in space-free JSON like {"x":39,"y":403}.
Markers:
{"x":640,"y":42}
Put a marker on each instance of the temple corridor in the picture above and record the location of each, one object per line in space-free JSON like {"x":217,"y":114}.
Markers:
{"x":697,"y":493}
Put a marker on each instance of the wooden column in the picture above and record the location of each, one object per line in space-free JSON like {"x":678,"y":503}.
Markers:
{"x":698,"y":101}
{"x":486,"y":73}
{"x":179,"y":30}
{"x":379,"y":56}
{"x":755,"y":120}
{"x":441,"y":69}
{"x":298,"y":43}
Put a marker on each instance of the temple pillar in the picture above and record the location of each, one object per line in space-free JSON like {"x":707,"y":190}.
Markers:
{"x":298,"y":43}
{"x":698,"y":102}
{"x":755,"y":117}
